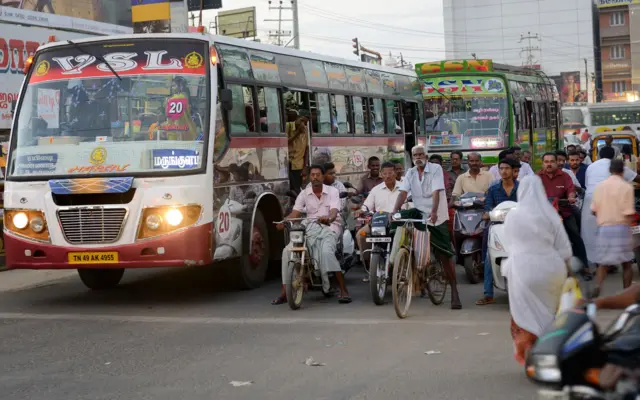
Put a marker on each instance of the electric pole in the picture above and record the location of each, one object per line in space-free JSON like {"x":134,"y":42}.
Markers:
{"x":279,"y":34}
{"x":530,"y":49}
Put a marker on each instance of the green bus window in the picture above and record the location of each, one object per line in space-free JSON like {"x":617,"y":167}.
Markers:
{"x":323,"y":113}
{"x":358,"y":115}
{"x":377,"y":117}
{"x":269,"y":101}
{"x":339,"y":121}
{"x":242,"y":116}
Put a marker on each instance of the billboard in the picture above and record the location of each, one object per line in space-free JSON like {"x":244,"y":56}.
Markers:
{"x":159,"y":16}
{"x":239,"y":23}
{"x":108,"y":17}
{"x":570,"y":88}
{"x":614,"y":3}
{"x":194,"y":5}
{"x":17,"y":43}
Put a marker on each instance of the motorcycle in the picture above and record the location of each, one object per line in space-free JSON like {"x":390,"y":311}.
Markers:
{"x":379,"y":263}
{"x":577,"y":361}
{"x":498,"y":254}
{"x":469,"y":227}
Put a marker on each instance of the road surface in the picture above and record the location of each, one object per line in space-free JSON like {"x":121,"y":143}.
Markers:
{"x":177,"y":334}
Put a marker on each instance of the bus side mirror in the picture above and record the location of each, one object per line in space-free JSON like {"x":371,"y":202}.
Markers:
{"x":226,"y":99}
{"x":13,"y":107}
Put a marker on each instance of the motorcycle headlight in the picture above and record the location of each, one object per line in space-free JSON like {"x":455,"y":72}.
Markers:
{"x":498,"y":215}
{"x":296,"y":237}
{"x":544,"y":368}
{"x":378,"y":231}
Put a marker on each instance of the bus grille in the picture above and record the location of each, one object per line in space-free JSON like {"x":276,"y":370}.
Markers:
{"x":92,"y":225}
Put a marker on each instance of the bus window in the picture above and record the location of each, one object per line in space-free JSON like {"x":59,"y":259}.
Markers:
{"x":322,"y":113}
{"x":377,"y":117}
{"x":339,"y":121}
{"x":242,"y":116}
{"x":296,"y":103}
{"x":358,"y":115}
{"x":269,"y":102}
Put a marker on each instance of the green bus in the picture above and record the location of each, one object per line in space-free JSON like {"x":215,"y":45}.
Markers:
{"x":480,"y":106}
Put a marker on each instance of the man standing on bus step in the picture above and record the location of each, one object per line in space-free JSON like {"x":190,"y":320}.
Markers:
{"x":425,"y":181}
{"x":298,"y":140}
{"x":322,"y":237}
{"x":372,"y":179}
{"x":451,"y":175}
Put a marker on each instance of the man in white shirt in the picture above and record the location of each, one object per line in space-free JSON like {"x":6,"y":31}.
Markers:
{"x":514,"y":153}
{"x":425,"y":181}
{"x":598,"y":172}
{"x":562,"y":163}
{"x":382,"y":198}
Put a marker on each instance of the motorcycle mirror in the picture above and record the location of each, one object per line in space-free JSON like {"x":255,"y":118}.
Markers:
{"x":364,"y":208}
{"x":397,"y":216}
{"x":348,"y":185}
{"x":292,"y":194}
{"x":356,"y":199}
{"x":344,"y":195}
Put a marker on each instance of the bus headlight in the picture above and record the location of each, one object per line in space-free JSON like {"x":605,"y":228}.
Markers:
{"x":158,"y":221}
{"x":174,"y":217}
{"x":37,"y":224}
{"x":20,"y":220}
{"x":30,"y":224}
{"x":153,"y":222}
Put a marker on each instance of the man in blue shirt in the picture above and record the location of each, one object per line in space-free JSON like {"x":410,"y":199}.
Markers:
{"x":504,"y":190}
{"x":578,"y":168}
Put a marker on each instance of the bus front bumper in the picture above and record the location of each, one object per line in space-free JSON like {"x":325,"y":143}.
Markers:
{"x":189,"y":247}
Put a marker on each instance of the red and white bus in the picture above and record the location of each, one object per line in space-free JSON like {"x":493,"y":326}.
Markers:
{"x":168,"y":150}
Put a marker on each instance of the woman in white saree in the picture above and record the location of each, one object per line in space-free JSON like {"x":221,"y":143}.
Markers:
{"x":539,"y":249}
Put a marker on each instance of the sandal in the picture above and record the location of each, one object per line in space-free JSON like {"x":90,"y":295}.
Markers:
{"x":344,"y":299}
{"x":485,"y":301}
{"x":278,"y":301}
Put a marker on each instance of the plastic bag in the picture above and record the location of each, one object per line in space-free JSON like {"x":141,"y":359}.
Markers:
{"x":571,"y":294}
{"x":421,"y":248}
{"x":400,"y":238}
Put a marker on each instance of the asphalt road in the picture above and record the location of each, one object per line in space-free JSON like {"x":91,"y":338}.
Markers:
{"x":179,"y":335}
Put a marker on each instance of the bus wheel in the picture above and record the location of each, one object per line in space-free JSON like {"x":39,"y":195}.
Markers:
{"x":255,"y":262}
{"x":101,"y":279}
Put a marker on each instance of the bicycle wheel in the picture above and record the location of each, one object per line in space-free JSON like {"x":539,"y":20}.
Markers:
{"x":436,"y":281}
{"x":295,"y":289}
{"x":402,"y":283}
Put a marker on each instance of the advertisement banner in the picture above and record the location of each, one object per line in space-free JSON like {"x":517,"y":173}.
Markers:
{"x":471,"y":85}
{"x":570,"y":92}
{"x":107,"y":17}
{"x":17,"y":43}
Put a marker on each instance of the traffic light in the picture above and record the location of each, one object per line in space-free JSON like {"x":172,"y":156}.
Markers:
{"x":356,"y":46}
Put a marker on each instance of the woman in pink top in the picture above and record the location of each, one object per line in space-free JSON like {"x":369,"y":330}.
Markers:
{"x":614,"y":207}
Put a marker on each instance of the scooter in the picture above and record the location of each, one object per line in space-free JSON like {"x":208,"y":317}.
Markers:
{"x":498,"y":253}
{"x":577,"y":361}
{"x":468,"y":226}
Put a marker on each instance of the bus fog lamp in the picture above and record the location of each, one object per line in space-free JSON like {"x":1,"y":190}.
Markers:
{"x":37,"y":224}
{"x":20,"y":220}
{"x":153,"y":222}
{"x":174,"y":217}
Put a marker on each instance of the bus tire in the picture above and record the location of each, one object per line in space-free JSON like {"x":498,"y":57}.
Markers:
{"x":253,"y":270}
{"x":101,"y":279}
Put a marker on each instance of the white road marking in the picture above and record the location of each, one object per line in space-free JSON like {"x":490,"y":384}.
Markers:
{"x":246,"y":321}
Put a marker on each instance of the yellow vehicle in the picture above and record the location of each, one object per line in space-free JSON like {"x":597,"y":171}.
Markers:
{"x":618,"y":140}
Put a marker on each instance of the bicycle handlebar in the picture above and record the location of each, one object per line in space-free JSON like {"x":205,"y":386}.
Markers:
{"x":295,"y":219}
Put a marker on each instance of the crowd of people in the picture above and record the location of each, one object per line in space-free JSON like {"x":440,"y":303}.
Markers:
{"x":548,"y":227}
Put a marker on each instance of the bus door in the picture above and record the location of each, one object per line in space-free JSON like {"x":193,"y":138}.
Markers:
{"x":411,"y":129}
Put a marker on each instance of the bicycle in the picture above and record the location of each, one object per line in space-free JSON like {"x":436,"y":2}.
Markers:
{"x":406,"y":274}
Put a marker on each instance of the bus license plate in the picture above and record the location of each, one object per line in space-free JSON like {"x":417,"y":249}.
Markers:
{"x":635,"y":229}
{"x":91,"y":257}
{"x":378,"y":240}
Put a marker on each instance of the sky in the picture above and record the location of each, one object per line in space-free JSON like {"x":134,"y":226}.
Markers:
{"x":327,"y":26}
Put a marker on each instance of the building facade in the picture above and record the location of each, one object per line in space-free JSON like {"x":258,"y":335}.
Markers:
{"x":620,"y":47}
{"x":557,"y":36}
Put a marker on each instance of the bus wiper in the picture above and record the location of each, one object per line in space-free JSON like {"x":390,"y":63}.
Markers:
{"x":99,"y":58}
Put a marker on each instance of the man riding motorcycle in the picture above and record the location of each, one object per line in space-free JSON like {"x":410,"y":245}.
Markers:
{"x":504,"y":190}
{"x":322,"y":202}
{"x":382,"y":198}
{"x":559,"y":186}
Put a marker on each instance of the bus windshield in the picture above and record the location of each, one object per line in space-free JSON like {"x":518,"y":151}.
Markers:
{"x":466,"y":113}
{"x":116,"y":107}
{"x":573,"y":117}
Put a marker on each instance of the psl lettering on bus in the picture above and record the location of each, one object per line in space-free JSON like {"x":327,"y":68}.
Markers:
{"x":453,"y":86}
{"x":14,"y":53}
{"x":455,"y":66}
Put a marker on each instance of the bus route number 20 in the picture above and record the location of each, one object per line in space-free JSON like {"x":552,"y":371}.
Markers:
{"x":224,"y":222}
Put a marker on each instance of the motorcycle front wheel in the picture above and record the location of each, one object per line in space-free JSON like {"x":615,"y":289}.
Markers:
{"x":402,"y":283}
{"x":295,"y":288}
{"x":472,"y":268}
{"x":377,"y":278}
